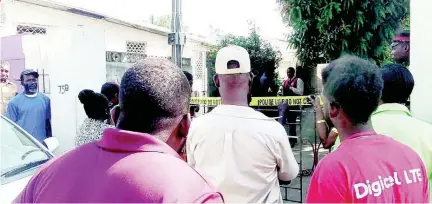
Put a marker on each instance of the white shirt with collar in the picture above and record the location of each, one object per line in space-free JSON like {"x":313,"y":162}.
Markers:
{"x":243,"y":152}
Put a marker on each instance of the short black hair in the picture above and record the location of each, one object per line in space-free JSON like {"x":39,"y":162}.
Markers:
{"x":110,"y":90}
{"x":291,"y":69}
{"x":152,"y":93}
{"x":354,"y":85}
{"x":188,"y":75}
{"x":398,"y":83}
{"x":95,"y":104}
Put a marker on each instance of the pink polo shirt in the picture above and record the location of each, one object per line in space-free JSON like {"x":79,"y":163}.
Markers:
{"x":370,"y":168}
{"x":121,"y":167}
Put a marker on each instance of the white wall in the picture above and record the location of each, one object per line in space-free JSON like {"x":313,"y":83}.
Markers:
{"x":420,"y":67}
{"x":115,"y":35}
{"x":71,"y":56}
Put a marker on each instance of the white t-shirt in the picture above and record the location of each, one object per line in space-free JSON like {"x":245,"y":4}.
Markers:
{"x":243,"y":152}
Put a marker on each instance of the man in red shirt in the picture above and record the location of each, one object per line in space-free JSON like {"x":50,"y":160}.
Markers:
{"x":366,"y":167}
{"x":137,"y":162}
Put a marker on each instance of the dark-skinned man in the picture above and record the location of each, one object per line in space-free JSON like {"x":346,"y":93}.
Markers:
{"x":242,"y":151}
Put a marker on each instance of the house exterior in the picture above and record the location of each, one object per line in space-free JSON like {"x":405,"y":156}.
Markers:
{"x":125,"y":42}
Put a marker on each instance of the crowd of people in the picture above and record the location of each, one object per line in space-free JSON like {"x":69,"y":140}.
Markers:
{"x":139,"y":143}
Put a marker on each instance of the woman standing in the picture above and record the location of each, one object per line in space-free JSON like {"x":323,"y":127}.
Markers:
{"x":96,"y":107}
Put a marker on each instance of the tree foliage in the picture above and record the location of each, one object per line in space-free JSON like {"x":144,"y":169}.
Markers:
{"x":323,"y":30}
{"x":264,"y":58}
{"x":326,"y":29}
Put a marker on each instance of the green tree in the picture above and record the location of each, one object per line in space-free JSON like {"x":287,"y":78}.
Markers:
{"x":323,"y":30}
{"x":264,"y":58}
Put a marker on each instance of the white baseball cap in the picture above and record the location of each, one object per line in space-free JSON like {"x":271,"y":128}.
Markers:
{"x":232,"y":53}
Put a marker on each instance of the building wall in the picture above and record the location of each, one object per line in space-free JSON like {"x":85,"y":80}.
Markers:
{"x":420,"y":59}
{"x":19,"y":13}
{"x":116,"y":36}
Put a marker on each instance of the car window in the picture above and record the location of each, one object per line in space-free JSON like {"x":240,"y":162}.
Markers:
{"x":17,"y":151}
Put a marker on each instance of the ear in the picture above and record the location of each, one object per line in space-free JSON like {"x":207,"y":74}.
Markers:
{"x":216,"y":80}
{"x":334,"y":110}
{"x":407,"y":47}
{"x":183,"y":128}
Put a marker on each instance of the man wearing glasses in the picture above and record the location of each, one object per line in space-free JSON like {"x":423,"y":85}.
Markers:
{"x":401,"y":47}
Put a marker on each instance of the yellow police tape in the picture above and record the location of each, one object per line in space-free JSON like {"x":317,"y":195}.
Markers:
{"x":256,"y":101}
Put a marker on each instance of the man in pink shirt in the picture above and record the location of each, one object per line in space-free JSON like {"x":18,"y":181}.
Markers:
{"x":366,"y":167}
{"x":138,"y":161}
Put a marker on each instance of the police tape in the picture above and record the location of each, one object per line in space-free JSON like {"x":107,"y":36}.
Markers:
{"x":256,"y":101}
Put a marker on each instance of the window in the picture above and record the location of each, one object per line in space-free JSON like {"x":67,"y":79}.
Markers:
{"x":136,"y":47}
{"x":21,"y":29}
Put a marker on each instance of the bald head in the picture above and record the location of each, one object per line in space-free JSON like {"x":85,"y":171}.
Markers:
{"x":153,"y":94}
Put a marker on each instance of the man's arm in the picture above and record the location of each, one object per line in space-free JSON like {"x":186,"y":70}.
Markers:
{"x":48,"y":128}
{"x":288,"y":167}
{"x":328,"y":184}
{"x":12,"y":112}
{"x":300,"y":87}
{"x":190,"y":146}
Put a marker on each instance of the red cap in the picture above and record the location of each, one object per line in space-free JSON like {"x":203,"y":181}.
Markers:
{"x":401,"y":38}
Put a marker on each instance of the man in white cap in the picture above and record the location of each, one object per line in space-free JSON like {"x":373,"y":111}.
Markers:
{"x":242,"y":151}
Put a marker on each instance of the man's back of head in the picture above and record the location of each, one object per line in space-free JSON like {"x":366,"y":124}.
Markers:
{"x":111,"y":91}
{"x":398,"y":84}
{"x":354,"y":86}
{"x":352,"y":90}
{"x":154,"y":97}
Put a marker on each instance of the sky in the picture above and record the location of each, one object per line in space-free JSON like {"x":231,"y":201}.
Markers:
{"x":231,"y":16}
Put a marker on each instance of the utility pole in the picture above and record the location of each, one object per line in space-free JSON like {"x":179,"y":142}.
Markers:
{"x":176,"y":38}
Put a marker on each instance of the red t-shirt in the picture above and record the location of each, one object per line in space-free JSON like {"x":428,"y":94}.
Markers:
{"x":370,"y":168}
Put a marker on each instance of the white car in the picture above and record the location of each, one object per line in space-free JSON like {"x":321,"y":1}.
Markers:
{"x":21,"y":156}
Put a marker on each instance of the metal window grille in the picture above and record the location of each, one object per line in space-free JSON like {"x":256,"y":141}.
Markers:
{"x":199,"y":71}
{"x":21,"y":29}
{"x":136,"y":47}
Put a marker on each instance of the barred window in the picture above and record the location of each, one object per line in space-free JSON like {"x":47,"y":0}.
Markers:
{"x":136,"y":47}
{"x":199,"y":72}
{"x":21,"y":29}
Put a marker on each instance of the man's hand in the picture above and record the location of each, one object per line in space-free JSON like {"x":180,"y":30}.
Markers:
{"x":316,"y":103}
